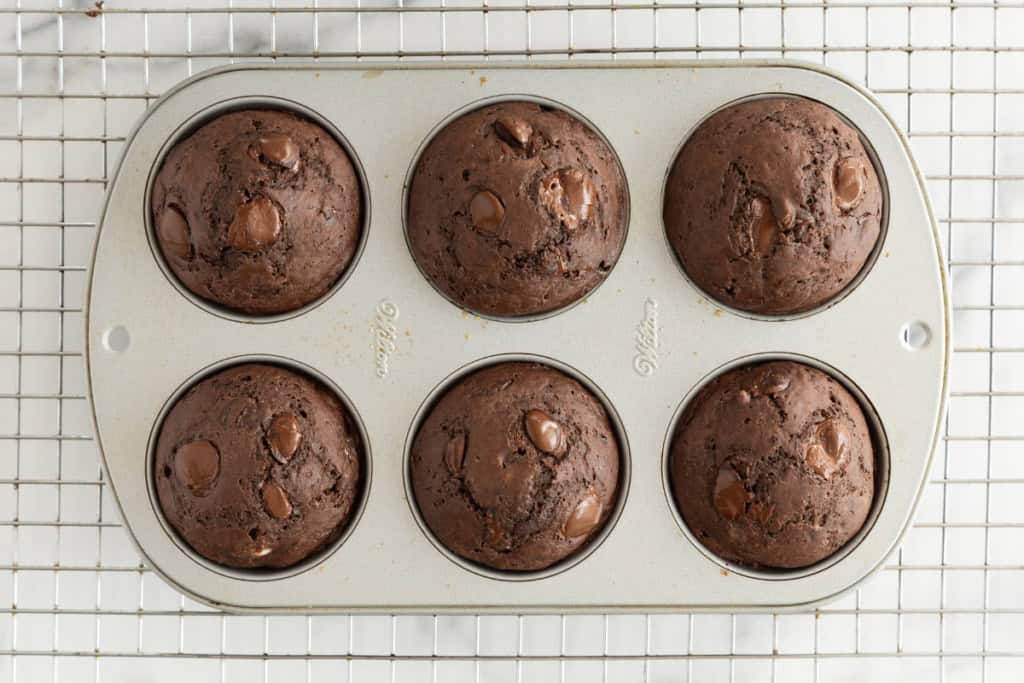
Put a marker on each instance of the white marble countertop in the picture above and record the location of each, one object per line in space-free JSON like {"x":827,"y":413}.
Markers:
{"x":953,"y":593}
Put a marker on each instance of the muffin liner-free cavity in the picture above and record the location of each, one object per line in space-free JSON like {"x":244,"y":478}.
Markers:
{"x":468,"y":109}
{"x":869,"y":262}
{"x":365,"y":475}
{"x":624,"y":466}
{"x":879,"y":443}
{"x":387,"y":339}
{"x":208,"y":114}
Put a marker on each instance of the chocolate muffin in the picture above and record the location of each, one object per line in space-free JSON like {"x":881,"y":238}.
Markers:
{"x":773,"y":206}
{"x":516,"y":467}
{"x":516,"y":209}
{"x":259,"y":211}
{"x":258,"y":466}
{"x":772,"y":465}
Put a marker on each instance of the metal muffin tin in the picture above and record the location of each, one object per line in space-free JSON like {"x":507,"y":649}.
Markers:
{"x":646,"y":338}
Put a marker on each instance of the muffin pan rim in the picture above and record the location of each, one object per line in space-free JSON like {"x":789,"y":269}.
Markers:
{"x":365,"y":462}
{"x":468,"y":109}
{"x":621,"y":437}
{"x":879,"y":441}
{"x":97,"y":320}
{"x":243,"y":103}
{"x":865,"y":269}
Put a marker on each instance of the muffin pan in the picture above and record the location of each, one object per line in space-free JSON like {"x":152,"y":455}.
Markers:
{"x":646,"y":338}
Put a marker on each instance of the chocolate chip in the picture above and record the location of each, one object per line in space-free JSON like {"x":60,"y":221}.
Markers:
{"x":569,"y":195}
{"x":789,"y":212}
{"x":486,"y":211}
{"x":255,"y":225}
{"x":835,"y":438}
{"x":275,"y":501}
{"x":455,"y":453}
{"x":826,"y":454}
{"x":731,"y":496}
{"x":513,"y":130}
{"x":544,"y":432}
{"x":279,"y":149}
{"x":848,"y":182}
{"x":584,"y":517}
{"x":175,"y":235}
{"x":773,"y":383}
{"x":819,"y":461}
{"x":580,"y":193}
{"x":197,"y":465}
{"x":284,"y":437}
{"x":763,"y":228}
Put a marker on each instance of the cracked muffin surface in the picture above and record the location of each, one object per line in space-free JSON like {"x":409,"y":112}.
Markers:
{"x":258,"y":466}
{"x":259,"y":211}
{"x":516,"y":209}
{"x":772,"y":465}
{"x":515,"y":467}
{"x":773,"y":205}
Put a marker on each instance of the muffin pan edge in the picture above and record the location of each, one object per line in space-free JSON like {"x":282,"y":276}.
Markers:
{"x":386,"y":338}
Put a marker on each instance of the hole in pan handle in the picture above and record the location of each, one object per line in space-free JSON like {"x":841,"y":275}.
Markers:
{"x":915,"y":335}
{"x":116,"y":339}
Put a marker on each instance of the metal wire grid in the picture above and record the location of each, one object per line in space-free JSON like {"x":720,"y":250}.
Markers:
{"x":948,"y":606}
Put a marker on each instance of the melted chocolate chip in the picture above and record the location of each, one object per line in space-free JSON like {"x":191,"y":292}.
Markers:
{"x":826,"y":454}
{"x":731,"y":496}
{"x":848,"y":182}
{"x":584,"y":517}
{"x":819,"y":461}
{"x":513,"y":130}
{"x":455,"y":453}
{"x":284,"y":437}
{"x":569,"y":195}
{"x":486,"y":211}
{"x":763,"y":228}
{"x":789,"y":212}
{"x":275,"y":501}
{"x":175,"y":235}
{"x":835,"y":438}
{"x":773,"y":383}
{"x":544,"y":432}
{"x":279,"y":149}
{"x":256,"y":224}
{"x":197,"y":465}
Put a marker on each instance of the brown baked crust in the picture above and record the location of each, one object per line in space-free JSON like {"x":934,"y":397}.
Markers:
{"x":773,"y":205}
{"x":516,"y":467}
{"x":772,"y":465}
{"x":263,"y":497}
{"x":259,"y":211}
{"x":516,"y":209}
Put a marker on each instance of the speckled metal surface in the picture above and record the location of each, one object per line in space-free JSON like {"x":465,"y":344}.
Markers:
{"x":387,"y":563}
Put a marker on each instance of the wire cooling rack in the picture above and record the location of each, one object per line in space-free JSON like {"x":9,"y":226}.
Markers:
{"x":76,"y":604}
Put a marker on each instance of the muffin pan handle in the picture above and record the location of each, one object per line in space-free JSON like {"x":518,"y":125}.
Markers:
{"x":386,"y":338}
